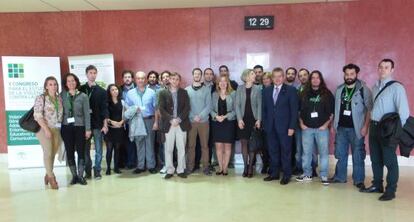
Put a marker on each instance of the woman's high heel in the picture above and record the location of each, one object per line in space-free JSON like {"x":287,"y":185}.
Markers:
{"x":53,"y":182}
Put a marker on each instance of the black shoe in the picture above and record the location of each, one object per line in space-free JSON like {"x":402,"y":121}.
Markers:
{"x":314,"y":173}
{"x":284,"y":181}
{"x":244,"y":173}
{"x":97,"y":175}
{"x":270,"y":178}
{"x":137,"y":171}
{"x":219,"y":173}
{"x":372,"y":189}
{"x":387,"y":196}
{"x":225,"y":173}
{"x":182,"y":175}
{"x":74,"y":180}
{"x":168,"y":176}
{"x":117,"y":171}
{"x":108,"y":172}
{"x":88,"y":174}
{"x":82,"y":181}
{"x":153,"y":171}
{"x":360,"y":186}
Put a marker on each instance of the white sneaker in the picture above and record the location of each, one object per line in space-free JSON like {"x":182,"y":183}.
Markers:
{"x":325,"y":181}
{"x":304,"y":178}
{"x":163,"y":170}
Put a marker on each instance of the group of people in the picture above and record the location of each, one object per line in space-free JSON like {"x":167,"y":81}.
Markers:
{"x":150,"y":116}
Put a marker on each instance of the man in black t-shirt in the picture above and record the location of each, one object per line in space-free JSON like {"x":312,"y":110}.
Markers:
{"x":316,"y":113}
{"x":99,"y":116}
{"x":353,"y":103}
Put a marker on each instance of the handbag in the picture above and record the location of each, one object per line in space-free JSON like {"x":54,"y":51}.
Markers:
{"x":255,"y":140}
{"x":27,"y":121}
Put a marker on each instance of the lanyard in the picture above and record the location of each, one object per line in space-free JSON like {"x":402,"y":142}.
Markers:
{"x":90,"y":93}
{"x":348,"y":96}
{"x":55,"y":103}
{"x":71,"y":100}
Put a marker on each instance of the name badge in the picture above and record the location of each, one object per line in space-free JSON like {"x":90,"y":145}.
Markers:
{"x":314,"y":115}
{"x":90,"y":111}
{"x":58,"y":125}
{"x":71,"y":120}
{"x":347,"y":112}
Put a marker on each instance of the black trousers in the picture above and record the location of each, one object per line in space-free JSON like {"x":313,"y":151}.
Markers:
{"x":74,"y":140}
{"x":383,"y":154}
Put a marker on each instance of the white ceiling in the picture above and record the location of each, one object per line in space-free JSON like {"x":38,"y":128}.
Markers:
{"x":88,"y":5}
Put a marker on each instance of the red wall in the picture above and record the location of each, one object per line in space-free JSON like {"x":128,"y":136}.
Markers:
{"x":322,"y":36}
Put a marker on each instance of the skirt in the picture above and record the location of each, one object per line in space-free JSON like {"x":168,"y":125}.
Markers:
{"x":224,"y":132}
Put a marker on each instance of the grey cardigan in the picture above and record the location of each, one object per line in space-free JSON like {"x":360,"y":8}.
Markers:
{"x":230,"y":100}
{"x":360,"y":106}
{"x":255,"y":98}
{"x":80,"y":109}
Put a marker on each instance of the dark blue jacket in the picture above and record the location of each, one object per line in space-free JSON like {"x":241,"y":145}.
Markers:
{"x":284,"y":114}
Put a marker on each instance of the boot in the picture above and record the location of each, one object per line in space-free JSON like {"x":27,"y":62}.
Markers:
{"x":81,"y":167}
{"x":74,"y":175}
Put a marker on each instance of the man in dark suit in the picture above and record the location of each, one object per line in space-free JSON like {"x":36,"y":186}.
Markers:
{"x":280,"y":115}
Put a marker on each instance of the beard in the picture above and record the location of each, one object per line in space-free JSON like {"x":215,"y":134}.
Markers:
{"x":350,"y":81}
{"x":290,"y":79}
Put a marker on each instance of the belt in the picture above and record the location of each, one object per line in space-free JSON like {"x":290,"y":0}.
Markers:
{"x":148,"y":117}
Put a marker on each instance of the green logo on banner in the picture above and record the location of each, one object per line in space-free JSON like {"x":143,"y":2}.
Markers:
{"x":15,"y":70}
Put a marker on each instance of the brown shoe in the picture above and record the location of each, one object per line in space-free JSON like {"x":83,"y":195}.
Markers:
{"x":53,"y":182}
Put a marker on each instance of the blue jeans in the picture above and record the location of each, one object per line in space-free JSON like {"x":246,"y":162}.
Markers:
{"x":344,"y":138}
{"x":299,"y":151}
{"x":97,"y":137}
{"x":311,"y":136}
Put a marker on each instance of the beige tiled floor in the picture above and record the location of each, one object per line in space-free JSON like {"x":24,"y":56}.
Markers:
{"x":147,"y":198}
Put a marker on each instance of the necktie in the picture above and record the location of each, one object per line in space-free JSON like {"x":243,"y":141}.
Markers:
{"x":275,"y":94}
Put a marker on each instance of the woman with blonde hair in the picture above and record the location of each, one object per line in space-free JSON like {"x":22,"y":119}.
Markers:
{"x":223,"y":118}
{"x":248,"y":108}
{"x":48,"y":111}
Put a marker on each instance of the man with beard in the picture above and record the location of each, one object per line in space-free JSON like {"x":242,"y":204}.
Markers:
{"x":291,"y":77}
{"x":200,"y":103}
{"x":353,"y":104}
{"x":303,"y":76}
{"x":258,"y":70}
{"x":128,"y":154}
{"x":152,"y":78}
{"x":209,"y":79}
{"x":164,"y":81}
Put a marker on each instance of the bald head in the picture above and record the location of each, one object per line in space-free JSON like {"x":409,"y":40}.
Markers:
{"x":140,"y":79}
